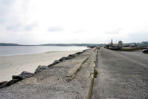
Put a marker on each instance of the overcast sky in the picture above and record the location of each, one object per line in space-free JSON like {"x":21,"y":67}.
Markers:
{"x":73,"y":21}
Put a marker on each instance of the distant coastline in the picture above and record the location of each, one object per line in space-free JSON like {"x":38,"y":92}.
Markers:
{"x":72,"y":44}
{"x":144,"y":43}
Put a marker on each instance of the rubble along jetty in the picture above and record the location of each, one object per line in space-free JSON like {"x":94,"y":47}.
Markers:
{"x":66,"y":78}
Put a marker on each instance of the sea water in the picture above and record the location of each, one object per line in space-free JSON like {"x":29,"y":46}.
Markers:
{"x":21,"y":50}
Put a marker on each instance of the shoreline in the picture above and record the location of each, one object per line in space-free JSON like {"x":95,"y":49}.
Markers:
{"x":11,"y":51}
{"x":14,"y":65}
{"x":21,"y":54}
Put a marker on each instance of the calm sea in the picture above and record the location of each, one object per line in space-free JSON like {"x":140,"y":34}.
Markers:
{"x":21,"y":50}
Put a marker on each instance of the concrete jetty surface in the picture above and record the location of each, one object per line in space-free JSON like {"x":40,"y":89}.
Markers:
{"x":94,"y":74}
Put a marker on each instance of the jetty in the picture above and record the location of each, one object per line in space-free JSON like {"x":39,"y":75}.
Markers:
{"x":95,"y":73}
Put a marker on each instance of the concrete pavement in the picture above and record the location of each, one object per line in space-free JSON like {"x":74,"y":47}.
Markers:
{"x":121,"y":75}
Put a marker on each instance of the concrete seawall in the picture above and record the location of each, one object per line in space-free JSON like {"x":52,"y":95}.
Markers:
{"x":66,"y":78}
{"x":91,"y":74}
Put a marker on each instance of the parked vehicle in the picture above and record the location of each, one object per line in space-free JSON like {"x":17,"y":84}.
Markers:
{"x":145,"y":51}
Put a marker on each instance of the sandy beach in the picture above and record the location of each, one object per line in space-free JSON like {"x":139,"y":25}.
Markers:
{"x":13,"y":65}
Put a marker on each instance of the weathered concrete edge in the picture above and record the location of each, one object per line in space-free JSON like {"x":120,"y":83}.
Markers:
{"x":73,"y":71}
{"x":93,"y":75}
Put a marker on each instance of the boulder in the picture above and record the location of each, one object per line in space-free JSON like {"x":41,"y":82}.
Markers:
{"x":62,"y":59}
{"x":8,"y":83}
{"x":40,"y":68}
{"x":65,"y":58}
{"x":54,"y":63}
{"x":70,"y":56}
{"x":22,"y":76}
{"x":3,"y":84}
{"x":78,"y":53}
{"x":15,"y":79}
{"x":11,"y":82}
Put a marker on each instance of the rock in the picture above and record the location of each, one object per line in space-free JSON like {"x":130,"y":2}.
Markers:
{"x":62,"y":59}
{"x":68,"y":57}
{"x":65,"y":58}
{"x":78,"y":53}
{"x":71,"y":56}
{"x":40,"y":68}
{"x":15,"y":79}
{"x":56,"y":61}
{"x":11,"y":82}
{"x":3,"y":84}
{"x":22,"y":76}
{"x":8,"y":83}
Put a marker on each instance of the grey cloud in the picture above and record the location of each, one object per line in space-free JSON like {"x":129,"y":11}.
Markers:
{"x":8,"y":13}
{"x":54,"y":29}
{"x":6,"y":2}
{"x":21,"y":27}
{"x":2,"y":20}
{"x":28,"y":28}
{"x":4,"y":7}
{"x":14,"y":27}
